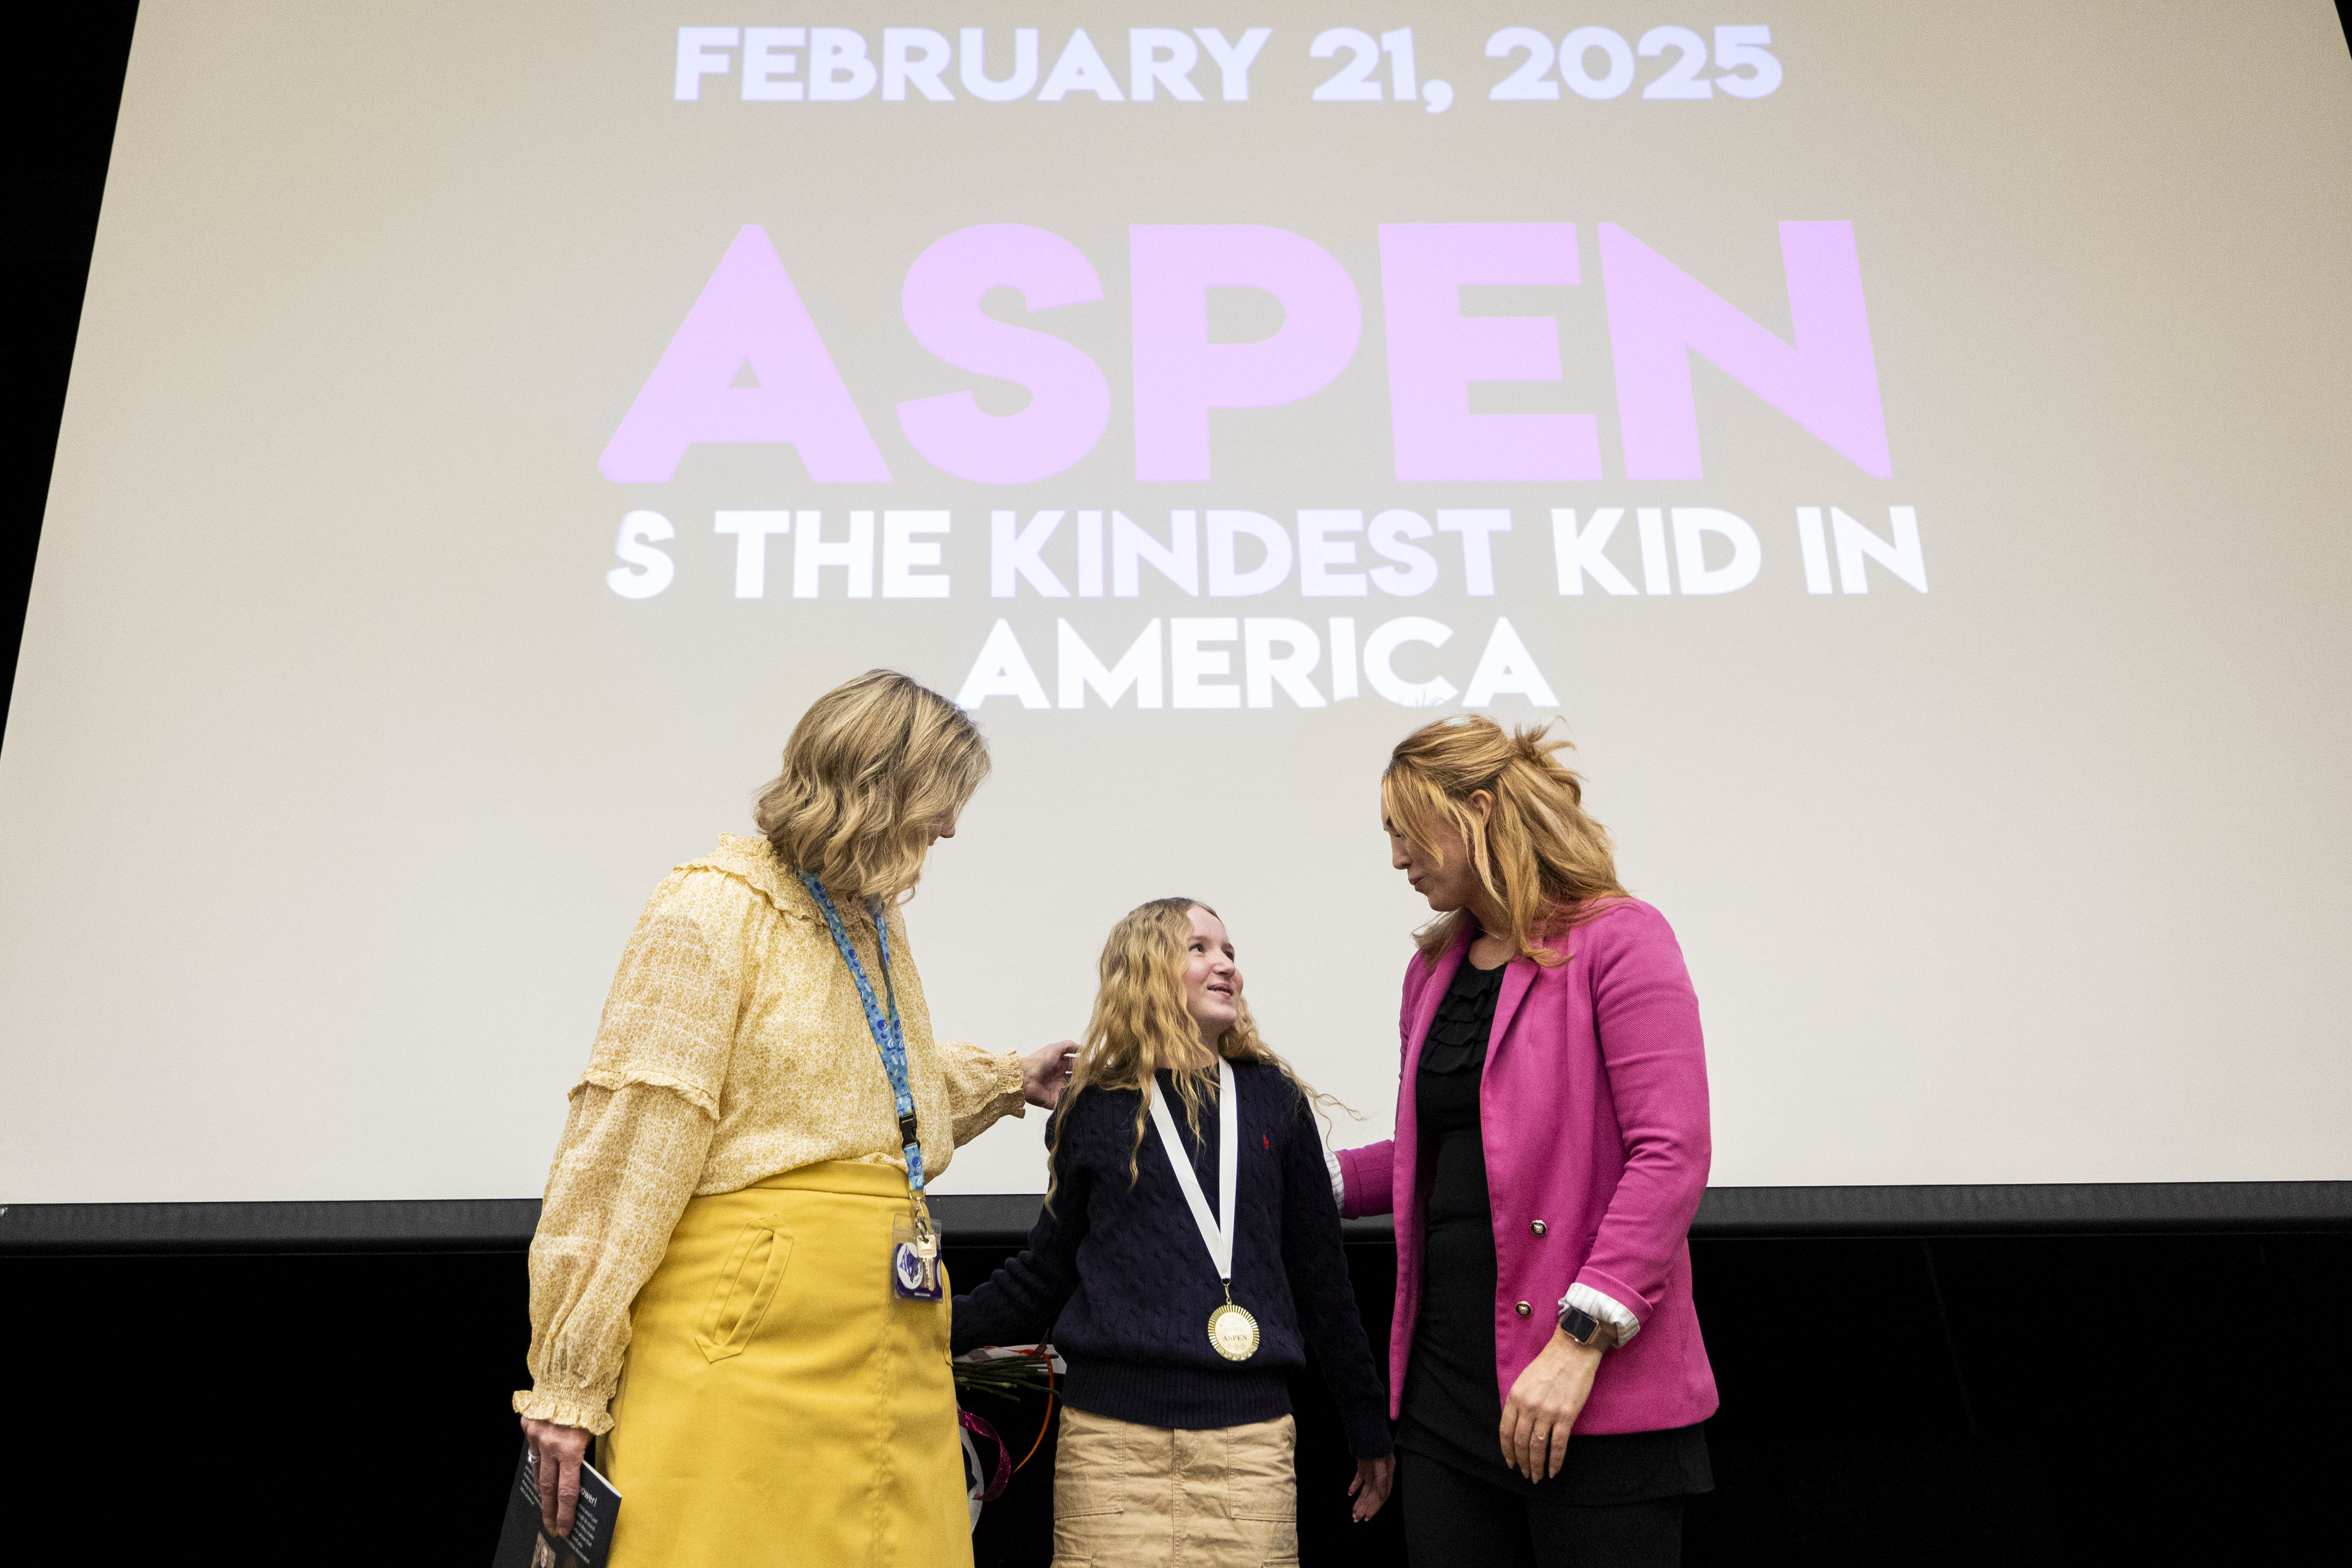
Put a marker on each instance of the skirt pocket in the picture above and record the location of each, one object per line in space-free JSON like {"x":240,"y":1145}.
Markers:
{"x":747,"y":1284}
{"x":1262,"y":1492}
{"x":1090,"y":1469}
{"x":1098,"y":1479}
{"x":1261,"y":1483}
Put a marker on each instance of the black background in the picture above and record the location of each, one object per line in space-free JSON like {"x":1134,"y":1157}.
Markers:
{"x":2012,"y":1401}
{"x":2175,"y":1398}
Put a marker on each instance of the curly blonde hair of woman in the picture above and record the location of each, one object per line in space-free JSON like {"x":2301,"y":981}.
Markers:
{"x":1548,"y":865}
{"x":1141,"y":1026}
{"x":874,"y":768}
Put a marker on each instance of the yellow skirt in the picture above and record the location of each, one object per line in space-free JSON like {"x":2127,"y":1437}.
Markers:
{"x":780,"y":1404}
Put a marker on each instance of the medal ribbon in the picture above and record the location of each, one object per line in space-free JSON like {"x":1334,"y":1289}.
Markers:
{"x":1217,"y":1230}
{"x":889,"y":1033}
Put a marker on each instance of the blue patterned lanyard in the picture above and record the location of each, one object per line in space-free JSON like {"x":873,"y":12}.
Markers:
{"x":890,"y":1036}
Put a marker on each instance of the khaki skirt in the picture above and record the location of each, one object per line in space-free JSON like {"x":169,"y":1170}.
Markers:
{"x":1126,"y":1495}
{"x":781,"y":1406}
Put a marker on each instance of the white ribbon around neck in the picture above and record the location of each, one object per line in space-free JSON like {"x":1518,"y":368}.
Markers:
{"x":1217,"y":1229}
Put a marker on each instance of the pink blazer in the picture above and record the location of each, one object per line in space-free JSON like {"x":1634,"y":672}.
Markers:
{"x":1593,"y":1114}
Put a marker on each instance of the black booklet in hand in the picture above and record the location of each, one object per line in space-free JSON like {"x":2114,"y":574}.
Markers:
{"x":525,"y":1543}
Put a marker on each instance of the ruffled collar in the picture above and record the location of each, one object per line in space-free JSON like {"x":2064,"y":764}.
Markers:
{"x":1465,"y":1017}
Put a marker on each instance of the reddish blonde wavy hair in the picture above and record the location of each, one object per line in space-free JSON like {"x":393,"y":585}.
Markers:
{"x":871,"y":771}
{"x":1548,"y":865}
{"x":1141,"y":1024}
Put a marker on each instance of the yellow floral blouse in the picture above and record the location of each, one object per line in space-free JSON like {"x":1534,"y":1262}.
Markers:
{"x":733,"y":1046}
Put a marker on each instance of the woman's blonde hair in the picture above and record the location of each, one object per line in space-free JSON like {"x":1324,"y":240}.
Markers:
{"x":1548,"y":865}
{"x":874,"y":768}
{"x":1141,"y":1024}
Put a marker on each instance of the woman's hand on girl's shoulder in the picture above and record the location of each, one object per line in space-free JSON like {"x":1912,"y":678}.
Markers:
{"x":1045,"y":1070}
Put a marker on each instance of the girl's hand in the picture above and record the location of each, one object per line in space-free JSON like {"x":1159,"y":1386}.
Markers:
{"x":1370,"y":1487}
{"x":1544,"y":1404}
{"x":1045,"y":1070}
{"x":556,"y":1452}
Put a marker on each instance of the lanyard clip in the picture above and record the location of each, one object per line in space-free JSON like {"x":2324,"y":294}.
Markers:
{"x":910,"y":1139}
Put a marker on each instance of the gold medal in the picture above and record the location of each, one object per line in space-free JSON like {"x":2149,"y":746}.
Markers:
{"x":1232,"y":1332}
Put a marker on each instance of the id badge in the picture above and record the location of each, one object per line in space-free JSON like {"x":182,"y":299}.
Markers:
{"x":914,"y":1260}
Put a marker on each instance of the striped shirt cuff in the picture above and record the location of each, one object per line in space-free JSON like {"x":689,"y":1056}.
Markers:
{"x":1593,"y":1304}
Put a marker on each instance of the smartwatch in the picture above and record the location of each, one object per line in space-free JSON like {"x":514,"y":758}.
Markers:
{"x":1581,"y":1326}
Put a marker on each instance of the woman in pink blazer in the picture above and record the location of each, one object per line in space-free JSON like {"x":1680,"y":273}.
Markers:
{"x":1551,"y":1148}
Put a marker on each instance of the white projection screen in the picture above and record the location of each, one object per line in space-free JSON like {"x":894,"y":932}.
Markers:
{"x":1904,"y":447}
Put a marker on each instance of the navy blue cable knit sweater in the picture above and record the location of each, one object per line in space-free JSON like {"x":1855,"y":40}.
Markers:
{"x":1120,"y":1280}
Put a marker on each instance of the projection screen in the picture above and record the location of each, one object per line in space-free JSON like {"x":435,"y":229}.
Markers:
{"x":1905,"y":449}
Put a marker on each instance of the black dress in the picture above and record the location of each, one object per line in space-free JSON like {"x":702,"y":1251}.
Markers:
{"x":1453,"y":1410}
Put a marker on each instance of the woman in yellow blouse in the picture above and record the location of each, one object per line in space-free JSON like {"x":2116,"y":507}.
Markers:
{"x":711,"y":1283}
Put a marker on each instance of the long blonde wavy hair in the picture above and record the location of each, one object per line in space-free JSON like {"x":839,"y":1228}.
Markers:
{"x":1546,"y":864}
{"x":1140,"y":1026}
{"x":872,"y":770}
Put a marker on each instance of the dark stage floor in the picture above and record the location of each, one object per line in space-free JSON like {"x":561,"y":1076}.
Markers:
{"x":2014,"y":1400}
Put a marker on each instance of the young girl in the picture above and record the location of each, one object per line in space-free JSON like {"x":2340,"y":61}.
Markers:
{"x":1188,"y":1250}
